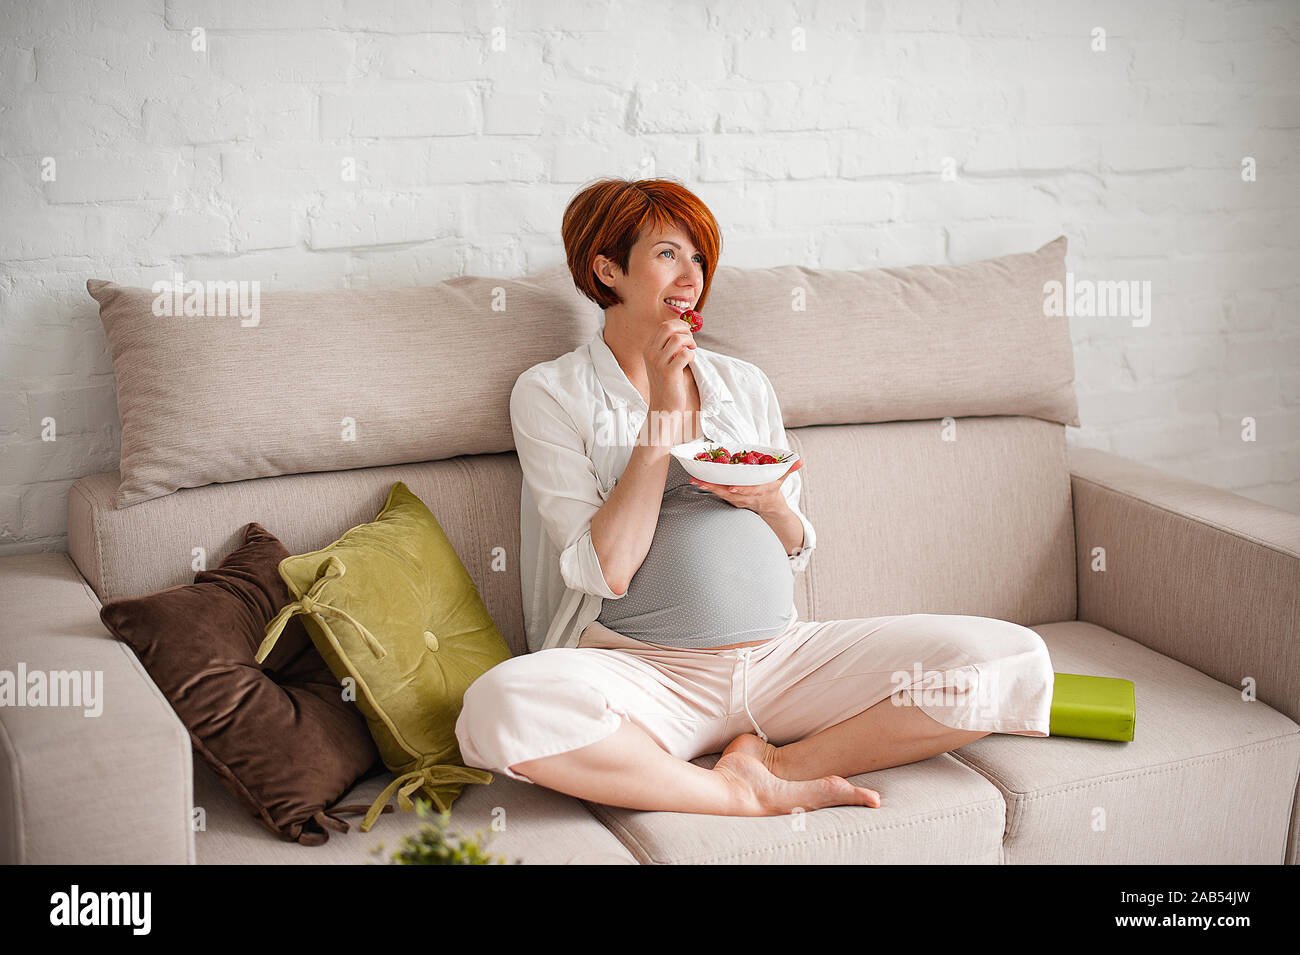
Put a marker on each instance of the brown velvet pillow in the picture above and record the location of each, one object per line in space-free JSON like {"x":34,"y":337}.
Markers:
{"x":279,"y":734}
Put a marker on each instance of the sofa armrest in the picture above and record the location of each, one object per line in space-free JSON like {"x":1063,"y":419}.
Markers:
{"x":116,"y":787}
{"x":1202,"y":575}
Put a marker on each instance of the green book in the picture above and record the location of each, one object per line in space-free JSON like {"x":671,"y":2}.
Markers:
{"x":1093,"y":707}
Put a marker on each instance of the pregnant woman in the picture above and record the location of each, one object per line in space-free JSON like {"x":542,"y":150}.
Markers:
{"x":660,"y":610}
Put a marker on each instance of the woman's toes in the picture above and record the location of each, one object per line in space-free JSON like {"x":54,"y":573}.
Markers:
{"x":861,"y":794}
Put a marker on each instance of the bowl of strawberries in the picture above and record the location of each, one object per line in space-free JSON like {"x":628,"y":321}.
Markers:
{"x":740,"y":466}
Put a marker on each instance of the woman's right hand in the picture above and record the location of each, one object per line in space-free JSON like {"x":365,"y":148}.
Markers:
{"x":666,"y":357}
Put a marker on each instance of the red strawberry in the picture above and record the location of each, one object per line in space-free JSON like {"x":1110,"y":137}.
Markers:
{"x":767,"y":459}
{"x":692,"y":318}
{"x":703,"y":456}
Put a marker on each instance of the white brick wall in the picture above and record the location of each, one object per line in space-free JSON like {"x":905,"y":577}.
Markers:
{"x":832,"y":156}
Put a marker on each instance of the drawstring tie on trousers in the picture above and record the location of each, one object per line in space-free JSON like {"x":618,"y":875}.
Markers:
{"x":744,"y":653}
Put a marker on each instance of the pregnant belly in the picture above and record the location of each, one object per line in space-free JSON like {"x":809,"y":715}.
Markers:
{"x":715,"y":576}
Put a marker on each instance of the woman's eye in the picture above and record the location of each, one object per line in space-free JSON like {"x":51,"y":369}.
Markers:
{"x":698,"y":256}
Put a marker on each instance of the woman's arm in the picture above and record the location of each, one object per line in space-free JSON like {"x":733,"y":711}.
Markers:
{"x":602,"y":544}
{"x":623,"y":529}
{"x":807,"y":540}
{"x":561,"y":479}
{"x":785,"y":523}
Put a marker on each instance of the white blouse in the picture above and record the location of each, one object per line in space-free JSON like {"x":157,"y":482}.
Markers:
{"x":576,"y":419}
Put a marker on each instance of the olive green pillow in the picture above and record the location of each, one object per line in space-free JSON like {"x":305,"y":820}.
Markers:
{"x":390,"y":606}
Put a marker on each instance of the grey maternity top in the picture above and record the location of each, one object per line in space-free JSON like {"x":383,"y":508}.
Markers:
{"x":715,"y":574}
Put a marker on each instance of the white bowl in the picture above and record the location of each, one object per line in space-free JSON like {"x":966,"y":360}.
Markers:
{"x":732,"y":475}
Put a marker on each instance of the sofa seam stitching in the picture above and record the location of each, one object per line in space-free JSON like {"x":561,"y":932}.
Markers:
{"x":840,"y":834}
{"x":968,"y":809}
{"x":615,"y":827}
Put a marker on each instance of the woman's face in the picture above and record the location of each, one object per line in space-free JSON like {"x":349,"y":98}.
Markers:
{"x":662,"y":265}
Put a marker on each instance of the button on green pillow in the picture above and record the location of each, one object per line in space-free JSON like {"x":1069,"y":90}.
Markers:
{"x":390,"y":606}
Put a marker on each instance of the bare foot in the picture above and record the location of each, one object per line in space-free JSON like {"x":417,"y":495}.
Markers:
{"x":766,"y":794}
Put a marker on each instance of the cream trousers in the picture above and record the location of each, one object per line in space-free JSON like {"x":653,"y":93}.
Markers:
{"x":966,"y":672}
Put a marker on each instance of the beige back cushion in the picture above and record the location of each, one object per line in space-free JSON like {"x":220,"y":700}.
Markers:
{"x":901,"y":344}
{"x":341,"y":379}
{"x":911,"y":517}
{"x":326,"y":380}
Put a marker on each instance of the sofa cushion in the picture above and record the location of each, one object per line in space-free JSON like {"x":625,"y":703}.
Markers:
{"x":968,"y":517}
{"x":138,"y":549}
{"x":528,"y":822}
{"x":902,"y":344}
{"x":1208,"y":779}
{"x":203,"y":398}
{"x":277,"y":732}
{"x":907,"y":521}
{"x":934,"y":811}
{"x":396,"y":616}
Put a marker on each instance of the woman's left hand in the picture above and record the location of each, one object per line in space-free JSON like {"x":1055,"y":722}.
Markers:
{"x":760,"y":498}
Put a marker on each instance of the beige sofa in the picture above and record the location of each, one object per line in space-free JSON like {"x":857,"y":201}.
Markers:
{"x":930,"y":409}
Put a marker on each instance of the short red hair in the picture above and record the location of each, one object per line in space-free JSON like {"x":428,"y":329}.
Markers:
{"x":609,"y":216}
